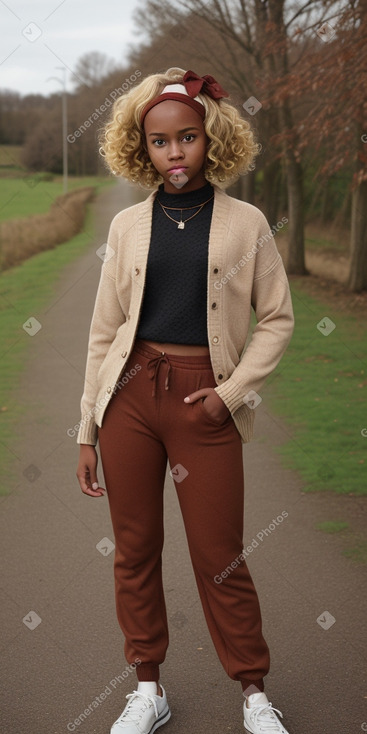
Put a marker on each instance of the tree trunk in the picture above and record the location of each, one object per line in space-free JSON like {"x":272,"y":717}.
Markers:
{"x":247,"y":187}
{"x":358,"y":240}
{"x":282,"y":190}
{"x":317,"y":193}
{"x":325,"y":203}
{"x":296,"y":250}
{"x":342,"y":218}
{"x":296,"y":247}
{"x":270,"y":189}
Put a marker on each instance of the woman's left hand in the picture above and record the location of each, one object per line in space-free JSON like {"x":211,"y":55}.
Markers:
{"x":213,"y":403}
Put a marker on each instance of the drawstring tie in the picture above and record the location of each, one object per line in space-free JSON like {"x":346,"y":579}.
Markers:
{"x":153,"y":367}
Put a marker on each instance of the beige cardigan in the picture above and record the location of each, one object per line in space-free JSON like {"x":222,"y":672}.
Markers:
{"x":244,"y":270}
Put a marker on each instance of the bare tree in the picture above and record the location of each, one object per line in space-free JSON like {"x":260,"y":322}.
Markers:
{"x":91,"y":68}
{"x":197,"y":34}
{"x":251,"y":46}
{"x":335,"y":72}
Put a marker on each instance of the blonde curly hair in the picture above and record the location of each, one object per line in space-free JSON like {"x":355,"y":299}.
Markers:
{"x":229,"y":154}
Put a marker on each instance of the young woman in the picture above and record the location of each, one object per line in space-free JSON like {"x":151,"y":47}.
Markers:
{"x":168,"y":375}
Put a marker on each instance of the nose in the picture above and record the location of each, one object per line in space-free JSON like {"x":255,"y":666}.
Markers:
{"x":174,"y":150}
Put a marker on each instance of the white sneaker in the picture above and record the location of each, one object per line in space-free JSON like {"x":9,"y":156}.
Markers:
{"x":260,"y":717}
{"x":142,"y":714}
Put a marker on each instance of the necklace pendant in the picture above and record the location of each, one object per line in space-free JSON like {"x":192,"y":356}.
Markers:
{"x":181,"y":225}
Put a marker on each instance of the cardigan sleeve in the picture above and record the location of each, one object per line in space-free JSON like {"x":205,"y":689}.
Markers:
{"x":107,"y":317}
{"x":271,"y":301}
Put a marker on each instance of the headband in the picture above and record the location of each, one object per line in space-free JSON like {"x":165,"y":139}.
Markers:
{"x":187,"y":92}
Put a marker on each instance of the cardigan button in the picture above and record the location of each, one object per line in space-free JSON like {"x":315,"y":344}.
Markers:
{"x":137,"y":271}
{"x":214,"y":305}
{"x":109,"y":389}
{"x":215,"y":270}
{"x":215,"y":339}
{"x":220,"y":377}
{"x":123,"y":354}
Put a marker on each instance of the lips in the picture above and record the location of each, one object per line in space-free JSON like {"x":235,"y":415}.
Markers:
{"x":179,"y":169}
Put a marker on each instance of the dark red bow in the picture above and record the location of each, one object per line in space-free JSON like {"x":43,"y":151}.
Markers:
{"x":195,"y":84}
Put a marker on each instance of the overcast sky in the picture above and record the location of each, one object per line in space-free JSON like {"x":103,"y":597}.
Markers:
{"x":39,"y":35}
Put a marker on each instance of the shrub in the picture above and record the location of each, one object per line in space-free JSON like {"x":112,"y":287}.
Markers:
{"x":22,"y":238}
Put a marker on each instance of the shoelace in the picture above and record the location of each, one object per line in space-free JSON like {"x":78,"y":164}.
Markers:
{"x":263,"y":714}
{"x":131,"y":716}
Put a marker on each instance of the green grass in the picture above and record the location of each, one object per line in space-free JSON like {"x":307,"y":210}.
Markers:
{"x":23,"y":196}
{"x":358,"y":553}
{"x":26,"y":289}
{"x":332,"y":526}
{"x":319,"y":388}
{"x":354,"y":544}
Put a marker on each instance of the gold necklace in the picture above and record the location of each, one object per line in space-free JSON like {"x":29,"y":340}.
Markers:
{"x":181,"y":224}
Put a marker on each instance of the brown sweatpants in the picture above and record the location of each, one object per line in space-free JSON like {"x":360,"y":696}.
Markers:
{"x":146,"y":423}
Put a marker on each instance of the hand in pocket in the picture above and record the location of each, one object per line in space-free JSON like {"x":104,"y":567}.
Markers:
{"x":213,"y":404}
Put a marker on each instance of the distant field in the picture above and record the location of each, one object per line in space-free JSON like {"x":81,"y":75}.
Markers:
{"x":20,"y":197}
{"x":10,"y":156}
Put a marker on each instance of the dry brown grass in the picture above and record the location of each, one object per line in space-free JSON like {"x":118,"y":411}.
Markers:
{"x":22,"y":238}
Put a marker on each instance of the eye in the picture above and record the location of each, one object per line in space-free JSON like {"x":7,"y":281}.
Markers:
{"x":159,"y":142}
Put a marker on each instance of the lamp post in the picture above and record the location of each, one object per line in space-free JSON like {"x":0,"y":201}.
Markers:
{"x":64,"y":126}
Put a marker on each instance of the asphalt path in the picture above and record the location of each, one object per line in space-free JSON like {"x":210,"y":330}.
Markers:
{"x":61,"y":646}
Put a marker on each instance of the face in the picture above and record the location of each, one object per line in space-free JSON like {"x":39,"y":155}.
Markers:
{"x":176,"y":142}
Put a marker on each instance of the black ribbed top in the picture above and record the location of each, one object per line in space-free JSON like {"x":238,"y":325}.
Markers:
{"x":174,"y":308}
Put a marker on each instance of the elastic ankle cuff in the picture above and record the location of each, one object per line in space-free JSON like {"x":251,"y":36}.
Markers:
{"x":147,"y":672}
{"x":252,"y":686}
